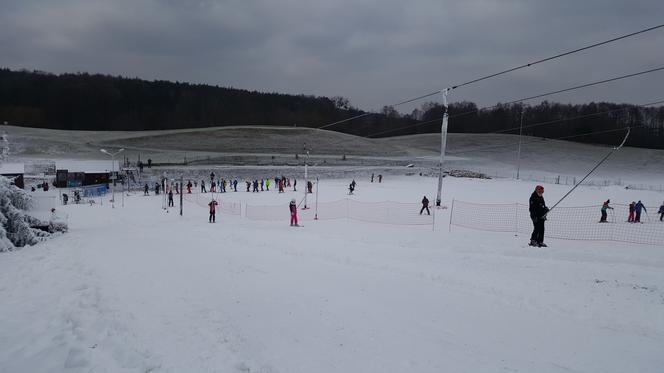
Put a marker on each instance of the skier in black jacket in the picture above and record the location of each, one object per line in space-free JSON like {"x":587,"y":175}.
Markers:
{"x":538,"y":212}
{"x":425,"y":205}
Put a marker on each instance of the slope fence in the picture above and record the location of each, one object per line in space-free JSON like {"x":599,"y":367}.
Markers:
{"x":224,"y":207}
{"x":566,"y":179}
{"x":388,"y":212}
{"x":570,"y":223}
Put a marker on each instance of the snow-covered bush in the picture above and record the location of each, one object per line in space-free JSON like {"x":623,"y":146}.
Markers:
{"x":17,"y":229}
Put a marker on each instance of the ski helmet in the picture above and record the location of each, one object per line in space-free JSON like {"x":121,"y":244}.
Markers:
{"x":539,"y":189}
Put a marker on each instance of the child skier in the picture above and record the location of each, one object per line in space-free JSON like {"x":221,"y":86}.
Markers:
{"x":293,"y":213}
{"x":630,"y":218}
{"x":213,"y":209}
{"x":605,"y":206}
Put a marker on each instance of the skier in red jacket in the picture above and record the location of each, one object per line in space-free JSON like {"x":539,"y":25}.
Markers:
{"x":213,"y":209}
{"x":293,"y":213}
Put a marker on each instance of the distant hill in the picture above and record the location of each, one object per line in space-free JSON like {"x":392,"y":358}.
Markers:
{"x":106,"y":103}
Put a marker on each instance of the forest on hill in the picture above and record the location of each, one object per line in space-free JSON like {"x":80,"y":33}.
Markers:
{"x":100,"y":102}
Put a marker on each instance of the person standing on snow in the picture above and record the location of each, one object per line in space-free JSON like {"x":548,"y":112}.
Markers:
{"x":538,"y":211}
{"x":146,"y":190}
{"x":170,"y":198}
{"x":661,"y":212}
{"x":267,"y":184}
{"x":293,"y":213}
{"x":637,"y":209}
{"x":203,"y":187}
{"x":213,"y":209}
{"x":294,"y":185}
{"x":189,"y":185}
{"x":605,"y":206}
{"x":425,"y":205}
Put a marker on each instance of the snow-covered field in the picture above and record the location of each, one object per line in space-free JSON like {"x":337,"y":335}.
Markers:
{"x":139,"y":289}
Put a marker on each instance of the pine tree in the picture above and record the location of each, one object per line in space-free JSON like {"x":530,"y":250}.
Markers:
{"x":17,"y":228}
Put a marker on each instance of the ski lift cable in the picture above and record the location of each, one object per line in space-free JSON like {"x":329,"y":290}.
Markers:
{"x":538,"y":124}
{"x":529,"y":64}
{"x":490,"y":147}
{"x":558,"y":56}
{"x":560,"y":121}
{"x":615,"y":149}
{"x":586,"y":85}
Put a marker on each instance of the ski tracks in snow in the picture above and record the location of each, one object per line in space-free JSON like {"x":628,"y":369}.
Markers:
{"x":71,"y":326}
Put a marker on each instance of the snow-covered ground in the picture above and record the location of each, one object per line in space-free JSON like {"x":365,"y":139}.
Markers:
{"x":139,"y":289}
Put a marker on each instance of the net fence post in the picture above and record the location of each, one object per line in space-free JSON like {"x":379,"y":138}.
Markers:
{"x":516,"y":219}
{"x":433,"y":221}
{"x":451,"y":216}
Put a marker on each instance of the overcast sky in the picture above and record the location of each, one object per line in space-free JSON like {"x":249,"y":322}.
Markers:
{"x":373,"y":52}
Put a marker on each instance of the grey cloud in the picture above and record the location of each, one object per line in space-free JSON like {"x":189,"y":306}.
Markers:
{"x":373,"y":52}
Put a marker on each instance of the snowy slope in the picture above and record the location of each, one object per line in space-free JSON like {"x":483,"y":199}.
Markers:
{"x":138,"y":289}
{"x":493,"y":154}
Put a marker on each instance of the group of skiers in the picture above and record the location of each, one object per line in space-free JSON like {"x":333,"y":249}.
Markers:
{"x":221,"y":185}
{"x":254,"y":186}
{"x":635,"y":210}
